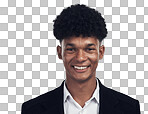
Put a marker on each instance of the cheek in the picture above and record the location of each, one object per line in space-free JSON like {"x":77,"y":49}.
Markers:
{"x":67,"y":58}
{"x":94,"y":57}
{"x":94,"y":61}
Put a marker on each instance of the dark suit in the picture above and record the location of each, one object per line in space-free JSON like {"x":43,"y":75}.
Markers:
{"x":111,"y":102}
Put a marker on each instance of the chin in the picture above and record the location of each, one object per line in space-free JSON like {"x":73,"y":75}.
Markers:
{"x":81,"y":78}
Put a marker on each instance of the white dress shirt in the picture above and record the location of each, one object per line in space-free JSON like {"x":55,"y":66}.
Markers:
{"x":72,"y":107}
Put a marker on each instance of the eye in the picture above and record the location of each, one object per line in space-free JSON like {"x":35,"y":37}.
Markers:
{"x":90,"y":49}
{"x":70,"y":49}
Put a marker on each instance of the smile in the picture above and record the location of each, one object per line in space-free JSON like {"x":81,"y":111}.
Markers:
{"x":80,"y":69}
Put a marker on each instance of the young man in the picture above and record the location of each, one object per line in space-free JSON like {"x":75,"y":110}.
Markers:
{"x":80,"y":31}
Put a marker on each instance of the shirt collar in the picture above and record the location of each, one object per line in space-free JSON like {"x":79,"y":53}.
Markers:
{"x":66,"y":92}
{"x":95,"y":94}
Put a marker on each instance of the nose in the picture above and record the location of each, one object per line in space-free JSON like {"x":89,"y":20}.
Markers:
{"x":81,"y":56}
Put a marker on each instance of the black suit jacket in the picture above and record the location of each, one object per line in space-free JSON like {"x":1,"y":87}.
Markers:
{"x":111,"y":102}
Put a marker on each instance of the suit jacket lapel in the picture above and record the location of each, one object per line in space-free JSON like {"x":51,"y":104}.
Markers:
{"x":108,"y":101}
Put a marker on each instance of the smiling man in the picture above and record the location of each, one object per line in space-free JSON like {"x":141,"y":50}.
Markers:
{"x":80,"y":30}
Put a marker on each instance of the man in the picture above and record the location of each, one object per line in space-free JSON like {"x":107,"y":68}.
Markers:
{"x":80,"y":31}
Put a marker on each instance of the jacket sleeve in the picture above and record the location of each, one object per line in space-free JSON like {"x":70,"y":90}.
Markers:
{"x":138,"y":108}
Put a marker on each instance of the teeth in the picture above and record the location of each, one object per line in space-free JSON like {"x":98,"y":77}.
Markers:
{"x":80,"y":68}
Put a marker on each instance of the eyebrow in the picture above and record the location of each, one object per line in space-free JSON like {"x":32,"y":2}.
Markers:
{"x":71,"y":44}
{"x":91,"y":45}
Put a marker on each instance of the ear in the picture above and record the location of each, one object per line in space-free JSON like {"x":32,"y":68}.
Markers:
{"x":59,"y":51}
{"x":101,"y":51}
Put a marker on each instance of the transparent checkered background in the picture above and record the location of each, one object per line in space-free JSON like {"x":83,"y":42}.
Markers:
{"x":29,"y":65}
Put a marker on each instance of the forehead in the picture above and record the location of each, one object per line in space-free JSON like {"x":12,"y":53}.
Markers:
{"x":80,"y":41}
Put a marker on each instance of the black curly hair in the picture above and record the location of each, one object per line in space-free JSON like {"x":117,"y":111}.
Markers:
{"x":79,"y":20}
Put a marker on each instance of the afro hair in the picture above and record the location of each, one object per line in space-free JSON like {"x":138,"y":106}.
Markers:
{"x":79,"y":20}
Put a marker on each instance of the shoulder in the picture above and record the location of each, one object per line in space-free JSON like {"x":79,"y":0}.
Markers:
{"x":43,"y":97}
{"x":122,"y":97}
{"x":124,"y":102}
{"x":39,"y":103}
{"x":111,"y":93}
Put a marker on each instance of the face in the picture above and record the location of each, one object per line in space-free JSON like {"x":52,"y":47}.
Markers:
{"x":80,"y":57}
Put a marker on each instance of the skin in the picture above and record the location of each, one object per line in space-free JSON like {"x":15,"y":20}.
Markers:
{"x":79,"y":51}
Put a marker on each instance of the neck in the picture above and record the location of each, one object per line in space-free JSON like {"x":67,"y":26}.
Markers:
{"x":81,"y":91}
